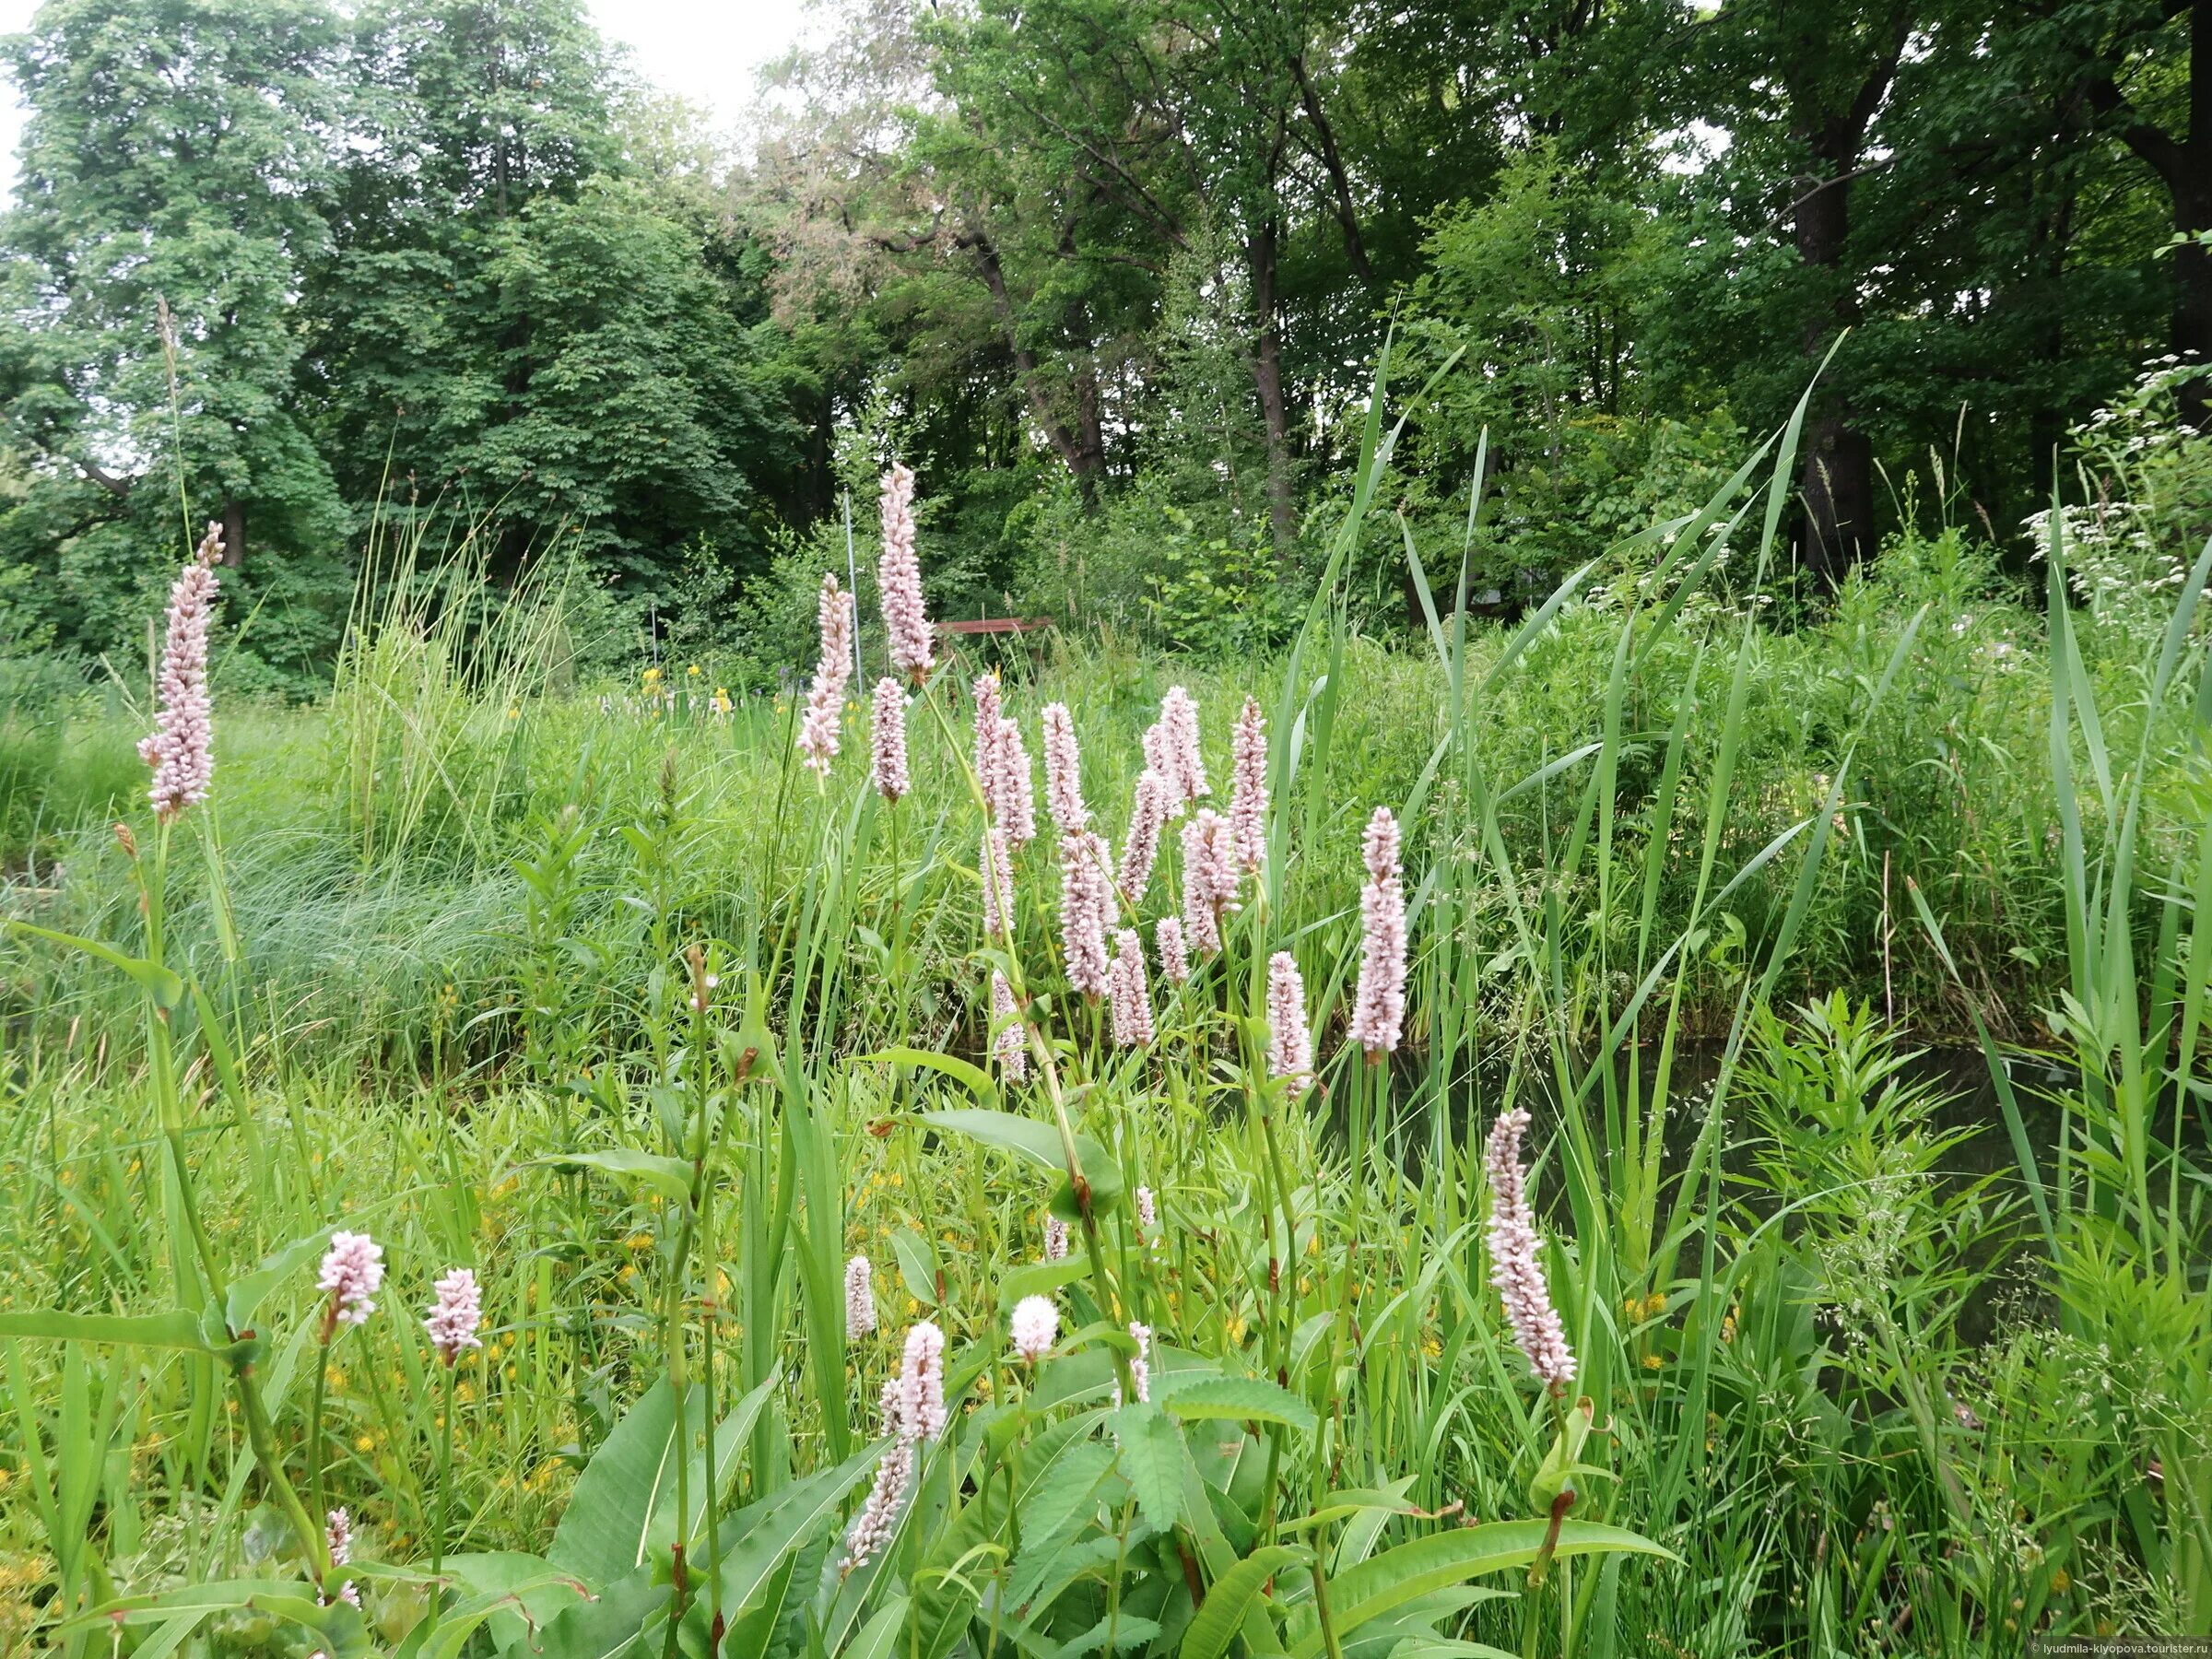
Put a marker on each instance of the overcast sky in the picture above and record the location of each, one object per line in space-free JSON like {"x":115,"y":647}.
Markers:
{"x":706,"y":49}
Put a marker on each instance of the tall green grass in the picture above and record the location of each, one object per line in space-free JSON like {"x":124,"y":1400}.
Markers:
{"x":1685,"y":884}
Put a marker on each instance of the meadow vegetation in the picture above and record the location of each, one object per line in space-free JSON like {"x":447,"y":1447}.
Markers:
{"x":1194,"y":1313}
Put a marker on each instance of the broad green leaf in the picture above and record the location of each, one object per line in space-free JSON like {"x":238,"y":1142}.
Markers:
{"x":1055,"y":1511}
{"x":1229,"y":1596}
{"x":1041,"y":1278}
{"x":611,"y":1627}
{"x":606,"y":1531}
{"x":671,"y":1177}
{"x":1238,"y":1399}
{"x":968,"y":1075}
{"x":1038,"y":1142}
{"x":780,"y":1525}
{"x":245,"y":1295}
{"x":878,"y":1637}
{"x":158,"y":982}
{"x":1399,"y":1576}
{"x":1151,"y":1461}
{"x":175,"y":1329}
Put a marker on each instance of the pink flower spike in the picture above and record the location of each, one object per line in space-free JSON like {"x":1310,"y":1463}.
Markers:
{"x":454,"y":1316}
{"x":922,"y":1382}
{"x":1515,"y":1271}
{"x":898,"y":579}
{"x":1174,"y":957}
{"x":1172,"y":746}
{"x":1086,"y":909}
{"x":826,"y":699}
{"x":888,"y":739}
{"x":337,"y":1532}
{"x":1012,"y":1051}
{"x":181,"y":748}
{"x":1063,"y":772}
{"x":1014,"y":786}
{"x":1131,"y":997}
{"x":879,"y":1517}
{"x":1147,"y":1208}
{"x":996,"y":866}
{"x":1379,"y":1003}
{"x":1210,"y":879}
{"x":1140,"y":1363}
{"x":1140,"y":850}
{"x":1055,"y":1238}
{"x":1289,"y":1043}
{"x":1248,"y":799}
{"x":1034,"y":1327}
{"x":860,"y":1299}
{"x":353,"y":1268}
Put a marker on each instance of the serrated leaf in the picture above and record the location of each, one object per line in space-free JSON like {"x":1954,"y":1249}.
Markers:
{"x":1151,"y":1461}
{"x":1238,"y":1399}
{"x":1228,"y":1597}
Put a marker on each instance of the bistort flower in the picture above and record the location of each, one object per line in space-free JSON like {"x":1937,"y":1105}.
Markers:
{"x":181,"y":748}
{"x":898,"y":579}
{"x":1515,"y":1272}
{"x":454,"y":1316}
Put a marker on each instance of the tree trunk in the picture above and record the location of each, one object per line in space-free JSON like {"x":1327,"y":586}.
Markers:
{"x":1264,"y":254}
{"x":234,"y":534}
{"x":1836,"y":478}
{"x":2193,"y":215}
{"x":1082,"y":447}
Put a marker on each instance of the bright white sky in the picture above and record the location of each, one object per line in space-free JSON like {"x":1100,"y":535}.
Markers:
{"x":705,"y":50}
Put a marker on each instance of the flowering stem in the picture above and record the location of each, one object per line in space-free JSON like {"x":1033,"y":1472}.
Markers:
{"x":445,"y":1496}
{"x":239,"y":1357}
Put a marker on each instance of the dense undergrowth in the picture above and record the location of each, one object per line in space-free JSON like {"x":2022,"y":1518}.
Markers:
{"x":441,"y":951}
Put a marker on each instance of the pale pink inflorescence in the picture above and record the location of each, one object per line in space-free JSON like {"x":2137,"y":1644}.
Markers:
{"x":898,"y":579}
{"x":996,"y":863}
{"x":1289,"y":1043}
{"x":886,"y":738}
{"x":1248,"y":798}
{"x":826,"y":698}
{"x":1379,"y":1003}
{"x":454,"y":1317}
{"x":1140,"y":1363}
{"x":1012,"y":1053}
{"x":1034,"y":1327}
{"x":860,"y":1298}
{"x":1002,"y":766}
{"x":337,"y":1532}
{"x":1172,"y":749}
{"x":879,"y":1517}
{"x":1147,"y":816}
{"x":1055,"y":1238}
{"x":1086,"y":909}
{"x":922,"y":1382}
{"x":1514,"y":1269}
{"x":1063,"y":772}
{"x":1210,"y":879}
{"x":1132,"y":998}
{"x":181,"y":748}
{"x":353,"y":1268}
{"x":1147,"y":1208}
{"x":1014,"y":786}
{"x":1174,"y":956}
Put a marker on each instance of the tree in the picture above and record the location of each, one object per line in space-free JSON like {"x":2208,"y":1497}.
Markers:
{"x":174,"y":165}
